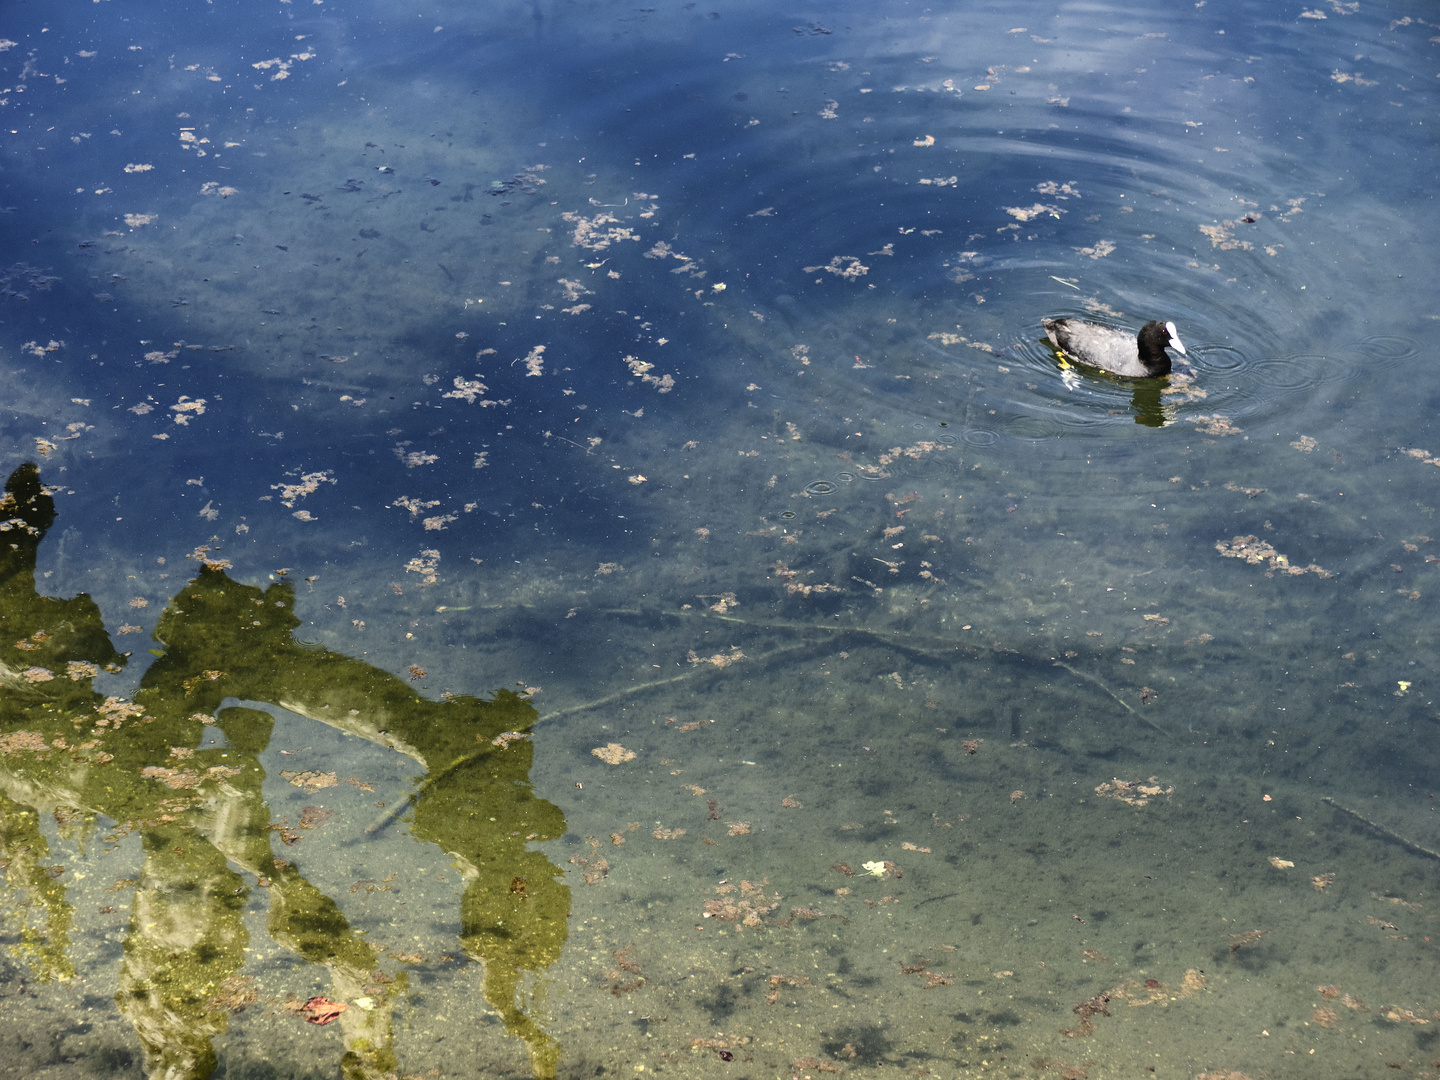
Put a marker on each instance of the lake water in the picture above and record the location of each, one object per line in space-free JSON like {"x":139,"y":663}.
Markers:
{"x":547,"y":540}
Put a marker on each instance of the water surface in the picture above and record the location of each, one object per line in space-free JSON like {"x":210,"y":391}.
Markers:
{"x":556,"y":528}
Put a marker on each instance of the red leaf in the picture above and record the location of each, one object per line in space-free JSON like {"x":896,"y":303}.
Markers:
{"x":319,"y":1010}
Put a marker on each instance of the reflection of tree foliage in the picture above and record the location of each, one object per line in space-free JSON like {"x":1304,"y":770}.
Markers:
{"x":38,"y":635}
{"x":200,"y":813}
{"x":33,"y":907}
{"x":73,"y":628}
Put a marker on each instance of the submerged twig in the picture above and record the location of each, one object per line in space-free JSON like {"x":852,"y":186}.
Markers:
{"x":1124,"y":704}
{"x":885,"y":638}
{"x":392,"y":815}
{"x":934,"y":648}
{"x":700,"y":669}
{"x":1389,"y":834}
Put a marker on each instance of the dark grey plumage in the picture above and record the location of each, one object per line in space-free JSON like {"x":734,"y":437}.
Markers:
{"x":1132,"y":356}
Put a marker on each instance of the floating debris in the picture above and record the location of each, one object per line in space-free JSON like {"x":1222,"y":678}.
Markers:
{"x":1397,"y":1015}
{"x":527,"y":182}
{"x":310,"y":781}
{"x":719,"y":660}
{"x":1256,"y":551}
{"x":1215,"y":425}
{"x":613,"y":753}
{"x":1133,"y":792}
{"x":845,"y":267}
{"x":1093,"y":1006}
{"x":625,"y":976}
{"x":1029,"y":213}
{"x":1239,"y":941}
{"x":319,"y":1010}
{"x":747,"y":909}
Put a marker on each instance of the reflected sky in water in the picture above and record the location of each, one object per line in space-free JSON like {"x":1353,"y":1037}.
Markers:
{"x":556,"y":528}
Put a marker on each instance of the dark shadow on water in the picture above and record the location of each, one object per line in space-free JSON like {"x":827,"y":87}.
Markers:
{"x":864,"y":1044}
{"x":720,"y":1003}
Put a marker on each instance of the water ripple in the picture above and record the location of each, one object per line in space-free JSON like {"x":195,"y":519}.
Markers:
{"x":1386,"y":347}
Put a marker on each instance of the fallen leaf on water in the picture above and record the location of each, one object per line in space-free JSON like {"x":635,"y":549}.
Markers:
{"x":319,"y":1010}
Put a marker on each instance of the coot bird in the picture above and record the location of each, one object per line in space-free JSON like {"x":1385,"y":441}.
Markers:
{"x":1141,"y":356}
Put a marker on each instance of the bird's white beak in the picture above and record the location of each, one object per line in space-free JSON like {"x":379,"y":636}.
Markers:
{"x":1175,"y":339}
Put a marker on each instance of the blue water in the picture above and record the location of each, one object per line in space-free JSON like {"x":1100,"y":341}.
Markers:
{"x":429,"y":399}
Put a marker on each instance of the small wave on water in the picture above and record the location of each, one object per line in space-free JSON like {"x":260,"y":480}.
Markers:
{"x":1386,"y":347}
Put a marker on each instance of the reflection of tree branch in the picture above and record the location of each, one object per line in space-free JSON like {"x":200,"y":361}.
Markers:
{"x":186,"y":935}
{"x":480,"y":807}
{"x":302,"y":918}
